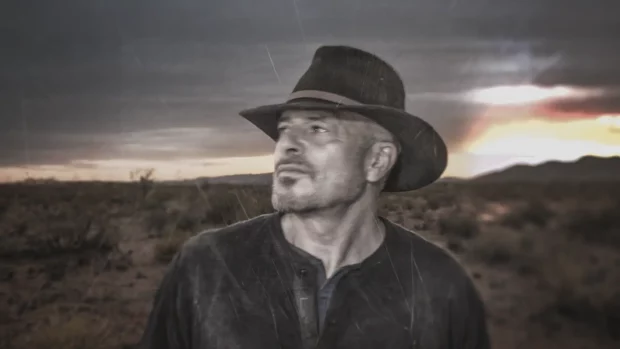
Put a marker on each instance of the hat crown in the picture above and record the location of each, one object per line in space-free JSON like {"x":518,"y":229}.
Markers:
{"x":355,"y":74}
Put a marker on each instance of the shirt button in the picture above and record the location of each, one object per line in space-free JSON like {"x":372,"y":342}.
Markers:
{"x":303,"y":271}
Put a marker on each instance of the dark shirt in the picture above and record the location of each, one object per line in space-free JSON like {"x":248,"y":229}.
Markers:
{"x":246,"y":287}
{"x":326,"y":287}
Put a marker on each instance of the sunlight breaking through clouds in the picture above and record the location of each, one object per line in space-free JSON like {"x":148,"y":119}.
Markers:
{"x":524,"y":94}
{"x":612,"y":121}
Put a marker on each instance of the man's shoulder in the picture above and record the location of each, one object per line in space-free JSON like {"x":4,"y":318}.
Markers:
{"x":233,"y":238}
{"x":429,"y":258}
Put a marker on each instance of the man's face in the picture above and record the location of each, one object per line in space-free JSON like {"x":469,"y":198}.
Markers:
{"x":319,"y":161}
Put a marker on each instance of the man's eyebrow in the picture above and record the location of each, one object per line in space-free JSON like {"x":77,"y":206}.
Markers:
{"x":318,"y":117}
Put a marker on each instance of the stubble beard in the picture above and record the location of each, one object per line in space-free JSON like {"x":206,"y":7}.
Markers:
{"x":288,"y":201}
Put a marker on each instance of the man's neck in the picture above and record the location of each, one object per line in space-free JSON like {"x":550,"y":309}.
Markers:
{"x":337,"y":236}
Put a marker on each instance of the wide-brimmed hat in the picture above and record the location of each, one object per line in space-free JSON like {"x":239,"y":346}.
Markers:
{"x":347,"y":78}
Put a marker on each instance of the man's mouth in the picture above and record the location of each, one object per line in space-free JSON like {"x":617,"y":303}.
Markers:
{"x":291,"y":169}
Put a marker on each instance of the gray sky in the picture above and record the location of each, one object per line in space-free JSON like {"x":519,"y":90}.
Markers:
{"x":155,"y":79}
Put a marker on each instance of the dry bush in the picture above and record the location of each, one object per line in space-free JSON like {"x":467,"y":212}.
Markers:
{"x":603,"y":316}
{"x":169,"y":246}
{"x":456,"y":223}
{"x":79,"y":331}
{"x":584,"y":289}
{"x":195,"y":209}
{"x":534,"y":212}
{"x":223,"y":208}
{"x":441,"y":199}
{"x":416,"y":207}
{"x":227,"y":204}
{"x":496,"y":245}
{"x":599,"y":225}
{"x":38,"y":226}
{"x":253,"y":201}
{"x":61,"y":229}
{"x":4,"y":205}
{"x":65,"y":237}
{"x":158,"y":196}
{"x":389,"y":204}
{"x":156,"y":221}
{"x":187,"y":221}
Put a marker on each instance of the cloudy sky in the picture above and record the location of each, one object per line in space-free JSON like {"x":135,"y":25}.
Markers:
{"x":93,"y":89}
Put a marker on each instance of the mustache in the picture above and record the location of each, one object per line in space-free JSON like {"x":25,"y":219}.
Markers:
{"x":294,"y":162}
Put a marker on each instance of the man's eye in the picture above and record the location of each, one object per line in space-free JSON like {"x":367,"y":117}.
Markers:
{"x":318,"y":129}
{"x":281,"y":129}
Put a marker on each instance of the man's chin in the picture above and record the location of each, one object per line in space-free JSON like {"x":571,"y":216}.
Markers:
{"x":291,"y":203}
{"x":291,"y":186}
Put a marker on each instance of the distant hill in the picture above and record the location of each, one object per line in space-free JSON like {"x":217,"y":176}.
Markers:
{"x":249,"y":179}
{"x":240,"y":179}
{"x":587,"y":168}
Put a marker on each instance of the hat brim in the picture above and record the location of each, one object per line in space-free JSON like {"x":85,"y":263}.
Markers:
{"x":424,"y":154}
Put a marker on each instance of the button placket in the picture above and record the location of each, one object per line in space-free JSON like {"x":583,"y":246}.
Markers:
{"x":305,"y":300}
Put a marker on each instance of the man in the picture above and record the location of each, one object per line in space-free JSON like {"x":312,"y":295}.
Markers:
{"x":325,"y":271}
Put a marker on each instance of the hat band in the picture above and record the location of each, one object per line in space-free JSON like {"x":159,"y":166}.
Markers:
{"x":326,"y":96}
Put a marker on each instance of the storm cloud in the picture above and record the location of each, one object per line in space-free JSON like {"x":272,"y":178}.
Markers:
{"x":165,"y":79}
{"x":595,"y":106}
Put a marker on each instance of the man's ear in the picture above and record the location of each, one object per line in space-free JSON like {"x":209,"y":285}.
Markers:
{"x":380,"y":160}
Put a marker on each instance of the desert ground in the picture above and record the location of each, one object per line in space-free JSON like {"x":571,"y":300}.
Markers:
{"x":80,"y":262}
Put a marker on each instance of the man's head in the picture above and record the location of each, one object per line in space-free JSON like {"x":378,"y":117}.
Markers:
{"x":337,"y":164}
{"x":325,"y":159}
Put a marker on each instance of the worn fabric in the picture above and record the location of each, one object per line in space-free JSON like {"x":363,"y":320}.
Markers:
{"x":326,"y":286}
{"x":246,"y":287}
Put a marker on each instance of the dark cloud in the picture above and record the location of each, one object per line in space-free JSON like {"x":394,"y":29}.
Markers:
{"x":78,"y":77}
{"x":587,"y":106}
{"x":585,"y":63}
{"x":30,"y":148}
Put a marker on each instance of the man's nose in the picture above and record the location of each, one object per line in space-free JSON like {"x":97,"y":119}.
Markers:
{"x":290,"y":143}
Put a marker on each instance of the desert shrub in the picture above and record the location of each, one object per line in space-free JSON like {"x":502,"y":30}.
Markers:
{"x":455,"y":245}
{"x":602,"y":315}
{"x":195,"y":209}
{"x":158,"y":197}
{"x":501,"y":246}
{"x":454,"y":223}
{"x":533,"y":212}
{"x":156,"y":220}
{"x":596,"y":225}
{"x":441,"y":199}
{"x":496,"y":246}
{"x":53,"y":237}
{"x":188,"y":221}
{"x":389,"y":204}
{"x":415,"y":207}
{"x":223,"y":208}
{"x":254,"y":201}
{"x":225,"y":205}
{"x":54,"y":219}
{"x":79,"y":331}
{"x":166,"y":249}
{"x":581,"y":291}
{"x":4,"y":206}
{"x":66,"y":237}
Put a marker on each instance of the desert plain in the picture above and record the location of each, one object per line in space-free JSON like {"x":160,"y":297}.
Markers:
{"x":80,"y":262}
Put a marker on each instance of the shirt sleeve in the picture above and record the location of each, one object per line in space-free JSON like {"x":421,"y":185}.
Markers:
{"x":169,"y":323}
{"x":468,"y":324}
